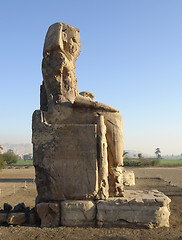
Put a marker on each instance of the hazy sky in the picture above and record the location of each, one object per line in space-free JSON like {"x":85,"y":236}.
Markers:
{"x":131,"y":59}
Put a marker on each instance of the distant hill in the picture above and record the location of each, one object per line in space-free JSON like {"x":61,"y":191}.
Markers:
{"x":18,"y":148}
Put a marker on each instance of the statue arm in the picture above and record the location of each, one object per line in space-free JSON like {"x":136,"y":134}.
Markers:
{"x":86,"y":102}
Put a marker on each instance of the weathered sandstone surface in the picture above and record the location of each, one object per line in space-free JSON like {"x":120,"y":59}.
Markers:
{"x":3,"y":218}
{"x":148,"y":209}
{"x":49,"y":214}
{"x":78,"y":213}
{"x":78,"y":149}
{"x":128,"y":178}
{"x":138,"y":208}
{"x":16,"y":218}
{"x":77,"y":142}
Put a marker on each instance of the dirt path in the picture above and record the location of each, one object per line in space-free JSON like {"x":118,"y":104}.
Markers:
{"x":171,"y":175}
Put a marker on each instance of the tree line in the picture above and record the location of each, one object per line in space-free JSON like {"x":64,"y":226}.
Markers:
{"x":142,"y":161}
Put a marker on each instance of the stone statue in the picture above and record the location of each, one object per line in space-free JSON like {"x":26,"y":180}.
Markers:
{"x":78,"y":148}
{"x":61,"y":105}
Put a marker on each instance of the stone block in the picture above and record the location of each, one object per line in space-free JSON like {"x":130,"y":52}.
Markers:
{"x":129,"y":178}
{"x":78,"y":213}
{"x":65,"y":160}
{"x":49,"y":214}
{"x":3,"y":217}
{"x":16,"y":218}
{"x":32,"y":219}
{"x":138,"y":208}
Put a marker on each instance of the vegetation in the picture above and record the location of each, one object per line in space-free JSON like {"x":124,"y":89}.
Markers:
{"x":170,"y":162}
{"x":141,"y":162}
{"x":22,"y":162}
{"x":140,"y":156}
{"x":9,"y":157}
{"x":158,"y":153}
{"x":2,"y":163}
{"x":147,"y":162}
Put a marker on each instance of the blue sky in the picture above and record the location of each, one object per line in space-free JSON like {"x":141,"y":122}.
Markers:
{"x":131,"y":59}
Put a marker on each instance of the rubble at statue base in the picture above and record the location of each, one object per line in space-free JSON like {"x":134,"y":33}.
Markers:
{"x":77,"y":150}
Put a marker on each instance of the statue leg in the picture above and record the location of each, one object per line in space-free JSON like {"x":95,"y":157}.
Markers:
{"x":114,"y":135}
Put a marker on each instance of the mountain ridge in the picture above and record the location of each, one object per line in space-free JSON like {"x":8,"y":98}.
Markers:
{"x":19,"y":148}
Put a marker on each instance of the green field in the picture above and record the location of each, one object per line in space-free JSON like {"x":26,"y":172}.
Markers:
{"x":171,"y":162}
{"x":28,"y":162}
{"x":148,"y":162}
{"x":162,"y":162}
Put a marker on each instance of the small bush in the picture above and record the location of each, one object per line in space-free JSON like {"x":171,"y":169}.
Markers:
{"x":9,"y":157}
{"x":156,"y":162}
{"x":132,"y":163}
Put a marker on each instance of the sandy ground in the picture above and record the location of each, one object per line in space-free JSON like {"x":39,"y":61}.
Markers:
{"x":27,"y":194}
{"x":171,"y":175}
{"x":15,"y":186}
{"x":18,"y":173}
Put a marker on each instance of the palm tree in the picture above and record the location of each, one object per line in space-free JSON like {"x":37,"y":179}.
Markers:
{"x":158,"y":153}
{"x":124,"y":153}
{"x":140,"y":156}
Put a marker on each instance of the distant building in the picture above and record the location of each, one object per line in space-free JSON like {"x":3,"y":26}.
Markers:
{"x":27,"y":157}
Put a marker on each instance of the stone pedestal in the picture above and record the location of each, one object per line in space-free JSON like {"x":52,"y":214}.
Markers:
{"x":49,"y":214}
{"x":148,"y":209}
{"x":78,"y":213}
{"x":3,"y":217}
{"x":16,"y":218}
{"x":138,"y":208}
